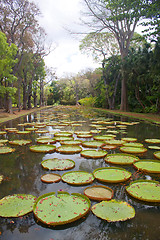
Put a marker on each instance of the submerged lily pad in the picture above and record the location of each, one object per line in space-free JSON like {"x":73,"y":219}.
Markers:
{"x":133,"y":149}
{"x":16,"y":205}
{"x":157,"y":154}
{"x":5,"y":150}
{"x":20,"y":142}
{"x":78,"y":177}
{"x":43,"y":148}
{"x":99,"y":192}
{"x":69,"y":149}
{"x":92,"y":144}
{"x":113,"y":210}
{"x":111,"y":174}
{"x":120,"y":158}
{"x":61,"y":209}
{"x":58,"y":164}
{"x":151,"y":166}
{"x":93,"y":153}
{"x":145,"y":190}
{"x":50,"y":178}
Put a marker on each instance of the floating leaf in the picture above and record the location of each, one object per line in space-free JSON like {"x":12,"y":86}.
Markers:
{"x":71,"y":142}
{"x":151,"y":166}
{"x":132,"y":144}
{"x":46,"y":141}
{"x":127,"y":139}
{"x":104,"y":137}
{"x":78,"y":177}
{"x":133,"y":149}
{"x":1,"y":178}
{"x":113,"y":210}
{"x":61,"y":209}
{"x":157,"y":154}
{"x":43,"y":148}
{"x":120,"y":158}
{"x":50,"y":178}
{"x":5,"y":150}
{"x":16,"y":205}
{"x":63,"y":134}
{"x":92,"y":144}
{"x":93,"y":153}
{"x":69,"y":149}
{"x":58,"y":164}
{"x":99,"y":192}
{"x":152,"y":140}
{"x":20,"y":142}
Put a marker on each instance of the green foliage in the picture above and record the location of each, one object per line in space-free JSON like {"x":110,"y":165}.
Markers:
{"x":88,"y":101}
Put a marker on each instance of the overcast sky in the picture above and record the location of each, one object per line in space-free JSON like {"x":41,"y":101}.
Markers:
{"x":56,"y":17}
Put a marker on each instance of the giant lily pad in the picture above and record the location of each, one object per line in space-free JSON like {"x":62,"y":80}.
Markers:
{"x":151,"y":166}
{"x":78,"y":177}
{"x":58,"y":164}
{"x":23,"y":132}
{"x":3,"y":140}
{"x":63,"y":138}
{"x":109,"y":147}
{"x":93,"y":153}
{"x":50,"y":178}
{"x":84,"y":135}
{"x":157,"y":154}
{"x":103,"y":137}
{"x":127,"y":139}
{"x":132,"y":144}
{"x":69,"y":149}
{"x":92,"y":144}
{"x":2,"y":132}
{"x":43,"y":148}
{"x":152,"y":140}
{"x":119,"y":158}
{"x":46,"y":141}
{"x":20,"y":142}
{"x":115,"y":142}
{"x":99,"y":192}
{"x":63,"y":134}
{"x":5,"y":150}
{"x":61,"y":209}
{"x":16,"y":205}
{"x":145,"y":190}
{"x":71,"y":142}
{"x":133,"y":149}
{"x":113,"y":210}
{"x":111,"y":174}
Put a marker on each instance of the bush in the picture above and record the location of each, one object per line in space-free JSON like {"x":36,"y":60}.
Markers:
{"x":88,"y":101}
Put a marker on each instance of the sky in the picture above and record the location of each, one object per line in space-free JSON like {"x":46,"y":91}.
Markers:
{"x":57,"y":17}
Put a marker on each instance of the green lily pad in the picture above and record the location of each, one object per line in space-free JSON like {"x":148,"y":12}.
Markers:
{"x":115,"y":142}
{"x":127,"y":139}
{"x":61,"y":209}
{"x":50,"y":178}
{"x":69,"y":149}
{"x":151,"y":166}
{"x":133,"y":149}
{"x":92,"y":144}
{"x":5,"y":150}
{"x":132,"y":144}
{"x":120,"y":158}
{"x":1,"y":178}
{"x":152,"y":140}
{"x":82,"y":132}
{"x":145,"y":190}
{"x":46,"y":141}
{"x":41,"y":131}
{"x":103,"y":137}
{"x":93,"y":153}
{"x":23,"y":132}
{"x":78,"y":177}
{"x":20,"y":142}
{"x":157,"y":154}
{"x":3,"y":140}
{"x":16,"y":205}
{"x":154,"y":147}
{"x":111,"y":174}
{"x":31,"y":129}
{"x":63,"y":138}
{"x":2,"y":132}
{"x":63,"y":134}
{"x":113,"y":210}
{"x":109,"y":147}
{"x":71,"y":142}
{"x":84,"y":135}
{"x":43,"y":148}
{"x":58,"y":164}
{"x":98,"y":192}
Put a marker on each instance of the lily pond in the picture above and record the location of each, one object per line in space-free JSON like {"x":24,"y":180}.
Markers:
{"x":78,"y":173}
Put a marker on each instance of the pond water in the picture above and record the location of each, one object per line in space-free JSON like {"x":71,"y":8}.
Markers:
{"x":22,"y":173}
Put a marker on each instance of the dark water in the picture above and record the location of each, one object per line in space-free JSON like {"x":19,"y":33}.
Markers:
{"x":22,"y":171}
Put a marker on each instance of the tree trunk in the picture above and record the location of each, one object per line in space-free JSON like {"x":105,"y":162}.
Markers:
{"x":124,"y":96}
{"x":19,"y":94}
{"x":8,"y":104}
{"x":24,"y":95}
{"x":35,"y":96}
{"x":29,"y":95}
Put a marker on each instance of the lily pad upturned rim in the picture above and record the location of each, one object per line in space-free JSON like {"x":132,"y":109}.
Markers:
{"x":57,"y":178}
{"x":108,"y":147}
{"x":40,"y":148}
{"x":98,"y":154}
{"x":60,"y":194}
{"x":99,"y":198}
{"x":58,"y":168}
{"x":121,"y":155}
{"x":148,"y":161}
{"x":21,"y":211}
{"x":20,"y":142}
{"x":88,"y":181}
{"x":110,"y":213}
{"x":141,"y":195}
{"x":69,"y":149}
{"x":5,"y":150}
{"x":92,"y":144}
{"x":134,"y":150}
{"x":111,"y":180}
{"x":157,"y":154}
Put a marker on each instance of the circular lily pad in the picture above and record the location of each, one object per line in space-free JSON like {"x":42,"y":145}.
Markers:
{"x":152,"y":140}
{"x":99,"y":193}
{"x":93,"y":153}
{"x":78,"y":177}
{"x":145,"y":190}
{"x":113,"y":210}
{"x":61,"y":209}
{"x":31,"y":129}
{"x":111,"y":174}
{"x":58,"y":164}
{"x":41,"y":131}
{"x":69,"y":149}
{"x":71,"y":142}
{"x":103,"y":137}
{"x":63,"y":134}
{"x":120,"y":158}
{"x":108,"y":147}
{"x":133,"y":149}
{"x":82,"y":132}
{"x":3,"y":140}
{"x":46,"y":141}
{"x":151,"y":166}
{"x":84,"y":135}
{"x":132,"y":144}
{"x":115,"y":142}
{"x":63,"y":138}
{"x":16,"y":205}
{"x":20,"y":142}
{"x":51,"y":178}
{"x":154,"y":147}
{"x":92,"y":144}
{"x":5,"y":150}
{"x":23,"y":132}
{"x":43,"y":148}
{"x":127,"y":139}
{"x":157,"y":154}
{"x":2,"y":132}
